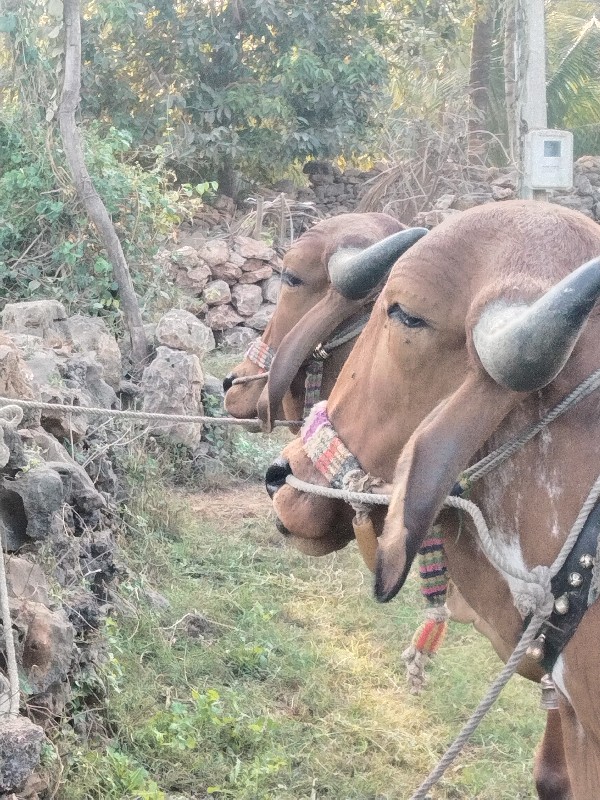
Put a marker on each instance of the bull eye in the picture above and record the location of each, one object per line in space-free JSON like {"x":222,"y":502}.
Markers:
{"x":290,"y":279}
{"x":396,"y":312}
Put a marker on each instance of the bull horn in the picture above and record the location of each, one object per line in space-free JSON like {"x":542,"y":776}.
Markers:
{"x":315,"y":326}
{"x":355,"y":276}
{"x":524,"y":347}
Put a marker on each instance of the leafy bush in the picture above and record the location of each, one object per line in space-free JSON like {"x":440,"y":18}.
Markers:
{"x":48,"y":248}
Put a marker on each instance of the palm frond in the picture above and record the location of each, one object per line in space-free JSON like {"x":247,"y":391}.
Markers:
{"x":573,"y":90}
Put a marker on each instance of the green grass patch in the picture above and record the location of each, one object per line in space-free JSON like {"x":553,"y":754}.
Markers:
{"x":272,"y":676}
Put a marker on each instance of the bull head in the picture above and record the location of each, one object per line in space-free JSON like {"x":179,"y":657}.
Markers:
{"x":353,"y":276}
{"x":522,"y":348}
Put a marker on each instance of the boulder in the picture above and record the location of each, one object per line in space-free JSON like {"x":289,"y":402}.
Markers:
{"x":42,"y":495}
{"x":185,"y":257}
{"x":16,"y":379}
{"x":26,"y":581}
{"x":261,"y":319}
{"x":217,"y":293}
{"x":41,"y":318}
{"x":181,"y":330}
{"x":246,"y":299}
{"x":270,"y":289}
{"x":172,"y":384}
{"x":228,"y":272}
{"x":221,"y":318}
{"x":44,"y":645}
{"x":20,"y":748}
{"x":83,"y":374}
{"x":252,"y":248}
{"x":237,"y":339}
{"x":502,"y":193}
{"x":213,"y":252}
{"x":256,"y":275}
{"x":193,"y":280}
{"x":91,"y":335}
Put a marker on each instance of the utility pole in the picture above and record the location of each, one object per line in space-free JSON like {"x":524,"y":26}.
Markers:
{"x":530,"y":67}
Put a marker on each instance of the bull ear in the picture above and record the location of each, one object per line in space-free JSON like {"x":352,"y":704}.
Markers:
{"x":315,"y":326}
{"x":430,"y":463}
{"x":524,"y":347}
{"x":354,"y":276}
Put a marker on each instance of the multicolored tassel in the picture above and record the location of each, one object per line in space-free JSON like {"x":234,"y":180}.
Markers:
{"x":428,"y":638}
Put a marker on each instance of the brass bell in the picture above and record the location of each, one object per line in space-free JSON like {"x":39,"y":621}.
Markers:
{"x":561,"y":604}
{"x":536,"y":648}
{"x":587,"y":561}
{"x":575,"y":579}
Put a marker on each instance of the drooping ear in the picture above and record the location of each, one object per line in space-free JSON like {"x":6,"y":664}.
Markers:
{"x":430,"y":463}
{"x":315,"y":326}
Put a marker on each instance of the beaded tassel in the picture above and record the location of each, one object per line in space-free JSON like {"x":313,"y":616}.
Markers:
{"x":428,"y":638}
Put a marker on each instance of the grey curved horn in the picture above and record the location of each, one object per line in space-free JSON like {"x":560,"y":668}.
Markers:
{"x":354,"y":277}
{"x":524,"y":347}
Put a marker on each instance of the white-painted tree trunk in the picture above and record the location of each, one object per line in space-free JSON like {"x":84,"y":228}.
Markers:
{"x":530,"y":81}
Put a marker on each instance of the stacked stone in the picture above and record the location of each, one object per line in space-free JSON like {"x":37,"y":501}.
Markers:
{"x":233,"y":284}
{"x":333,"y":191}
{"x":585,"y":196}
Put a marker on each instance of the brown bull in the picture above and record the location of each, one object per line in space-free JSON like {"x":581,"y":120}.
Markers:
{"x":457,"y":358}
{"x":304,"y":282}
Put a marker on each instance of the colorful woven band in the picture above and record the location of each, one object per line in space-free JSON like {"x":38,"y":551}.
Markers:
{"x":324,"y":447}
{"x":261,"y":354}
{"x":433,"y":569}
{"x":312,"y":386}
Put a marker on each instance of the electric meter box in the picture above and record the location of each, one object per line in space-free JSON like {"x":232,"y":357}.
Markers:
{"x":549,"y":159}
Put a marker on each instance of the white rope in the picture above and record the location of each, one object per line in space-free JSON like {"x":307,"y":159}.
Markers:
{"x":93,"y":411}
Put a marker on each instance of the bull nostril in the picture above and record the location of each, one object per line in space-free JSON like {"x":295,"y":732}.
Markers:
{"x":228,"y":381}
{"x":276,"y":475}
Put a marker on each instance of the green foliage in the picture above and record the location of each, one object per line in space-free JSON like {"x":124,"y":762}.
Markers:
{"x":48,"y":247}
{"x":245,"y":84}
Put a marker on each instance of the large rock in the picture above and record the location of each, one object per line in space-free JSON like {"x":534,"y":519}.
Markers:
{"x":26,"y":581}
{"x":228,"y":272}
{"x":270,"y":289}
{"x":20,"y":748}
{"x":172,"y":384}
{"x":181,"y":330}
{"x":193,"y":280}
{"x":84,"y":375}
{"x":44,"y":645}
{"x":256,"y":275}
{"x":261,"y":319}
{"x":246,"y":299}
{"x":237,"y":339}
{"x":91,"y":335}
{"x":185,"y":257}
{"x":16,"y":379}
{"x":43,"y":318}
{"x":214,"y":252}
{"x":253,"y":248}
{"x":217,"y":293}
{"x":221,"y":318}
{"x":42,"y":496}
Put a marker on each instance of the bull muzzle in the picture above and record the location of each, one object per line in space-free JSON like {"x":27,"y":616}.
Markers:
{"x":228,"y":381}
{"x":276,"y":475}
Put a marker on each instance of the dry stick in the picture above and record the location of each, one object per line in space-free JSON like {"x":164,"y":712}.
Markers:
{"x":11,"y":659}
{"x":83,"y":183}
{"x":259,"y":217}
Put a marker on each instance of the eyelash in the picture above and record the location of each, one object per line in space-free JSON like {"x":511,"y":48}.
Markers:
{"x":290,"y":280}
{"x":397,"y":312}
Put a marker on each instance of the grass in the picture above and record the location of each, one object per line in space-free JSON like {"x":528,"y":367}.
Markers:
{"x":272,"y":676}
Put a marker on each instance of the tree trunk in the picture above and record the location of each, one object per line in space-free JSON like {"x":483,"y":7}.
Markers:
{"x":85,"y":189}
{"x":479,"y":78}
